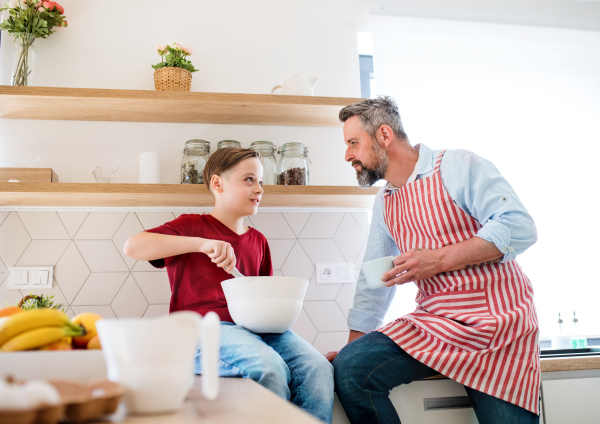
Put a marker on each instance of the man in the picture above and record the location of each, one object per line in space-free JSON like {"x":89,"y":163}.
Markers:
{"x":455,"y":226}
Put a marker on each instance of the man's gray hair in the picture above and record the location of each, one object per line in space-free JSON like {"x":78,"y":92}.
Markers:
{"x":374,"y":113}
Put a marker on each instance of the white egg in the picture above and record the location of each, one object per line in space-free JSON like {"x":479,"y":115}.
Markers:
{"x":41,"y":393}
{"x":12,"y":396}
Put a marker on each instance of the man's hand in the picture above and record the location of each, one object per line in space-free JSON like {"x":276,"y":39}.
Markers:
{"x":416,"y":264}
{"x":219,"y":252}
{"x":351,"y":337}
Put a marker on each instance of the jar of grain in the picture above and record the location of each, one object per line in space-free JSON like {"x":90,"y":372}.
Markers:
{"x":195,"y":156}
{"x":228,"y":143}
{"x":292,"y":168}
{"x":267,"y":158}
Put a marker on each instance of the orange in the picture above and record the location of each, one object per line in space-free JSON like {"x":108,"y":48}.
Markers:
{"x":88,"y":321}
{"x":94,"y":343}
{"x":59,"y":345}
{"x":10,"y":310}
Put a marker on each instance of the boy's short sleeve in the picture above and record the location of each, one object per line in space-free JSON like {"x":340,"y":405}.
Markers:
{"x":180,"y":226}
{"x":266,"y":266}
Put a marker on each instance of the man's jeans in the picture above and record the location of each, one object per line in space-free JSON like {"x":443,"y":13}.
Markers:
{"x":284,"y":363}
{"x":367,"y":369}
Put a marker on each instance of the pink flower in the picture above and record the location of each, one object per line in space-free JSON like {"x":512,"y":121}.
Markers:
{"x":60,"y":9}
{"x":187,"y":51}
{"x":177,"y":46}
{"x":160,"y":49}
{"x":41,"y":9}
{"x":38,"y":5}
{"x":47,"y":5}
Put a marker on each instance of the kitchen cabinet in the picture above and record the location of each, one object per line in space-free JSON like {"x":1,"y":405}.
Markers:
{"x":571,"y":401}
{"x":410,"y":401}
{"x":91,"y":104}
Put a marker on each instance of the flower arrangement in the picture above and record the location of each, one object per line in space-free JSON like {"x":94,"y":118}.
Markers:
{"x":28,"y":20}
{"x":174,"y":56}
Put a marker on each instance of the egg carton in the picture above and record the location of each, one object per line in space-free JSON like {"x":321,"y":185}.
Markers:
{"x":81,"y":402}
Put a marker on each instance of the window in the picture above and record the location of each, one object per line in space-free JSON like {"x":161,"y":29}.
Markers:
{"x":365,"y":60}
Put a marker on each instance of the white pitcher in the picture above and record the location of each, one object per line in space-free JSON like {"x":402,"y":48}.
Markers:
{"x":154,"y":358}
{"x":297,"y":86}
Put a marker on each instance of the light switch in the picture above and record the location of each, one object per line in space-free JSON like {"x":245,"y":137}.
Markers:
{"x":40,"y":277}
{"x":23,"y":278}
{"x":343,"y":272}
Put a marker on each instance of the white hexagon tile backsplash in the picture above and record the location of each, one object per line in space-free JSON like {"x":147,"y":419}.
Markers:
{"x":92,"y":273}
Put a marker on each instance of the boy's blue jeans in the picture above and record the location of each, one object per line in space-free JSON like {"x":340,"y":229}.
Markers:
{"x":367,"y":369}
{"x":284,"y":363}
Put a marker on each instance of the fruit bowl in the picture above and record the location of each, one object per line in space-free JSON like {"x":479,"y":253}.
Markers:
{"x":265,"y":304}
{"x":80,"y":402}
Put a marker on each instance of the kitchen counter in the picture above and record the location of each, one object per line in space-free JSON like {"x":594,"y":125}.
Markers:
{"x":240,"y":401}
{"x":574,"y":363}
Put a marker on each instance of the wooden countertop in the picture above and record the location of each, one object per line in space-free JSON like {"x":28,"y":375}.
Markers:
{"x":240,"y":401}
{"x":574,"y":363}
{"x":570,"y":364}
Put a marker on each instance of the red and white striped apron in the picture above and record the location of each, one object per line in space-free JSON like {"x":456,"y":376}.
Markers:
{"x":477,"y":326}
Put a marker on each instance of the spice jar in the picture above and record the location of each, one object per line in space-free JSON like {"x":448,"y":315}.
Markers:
{"x":293,"y":164}
{"x":195,"y":156}
{"x":228,"y":143}
{"x":267,"y":158}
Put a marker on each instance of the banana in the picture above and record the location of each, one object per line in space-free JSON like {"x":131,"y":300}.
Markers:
{"x":30,"y":320}
{"x":38,"y":337}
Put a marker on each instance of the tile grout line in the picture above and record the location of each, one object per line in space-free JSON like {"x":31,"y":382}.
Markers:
{"x":30,"y":239}
{"x":290,"y":225}
{"x":2,"y":222}
{"x":310,"y":260}
{"x":286,"y":256}
{"x":65,"y":225}
{"x":81,"y":225}
{"x":87,"y":266}
{"x":361,"y":230}
{"x":139,"y":287}
{"x":119,"y":291}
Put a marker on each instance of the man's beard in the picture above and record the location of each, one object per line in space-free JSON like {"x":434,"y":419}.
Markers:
{"x":368,"y":176}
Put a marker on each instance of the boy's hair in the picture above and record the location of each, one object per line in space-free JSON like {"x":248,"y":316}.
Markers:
{"x":223,"y":160}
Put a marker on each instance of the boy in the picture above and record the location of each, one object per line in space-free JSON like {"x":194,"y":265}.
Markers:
{"x":199,"y":252}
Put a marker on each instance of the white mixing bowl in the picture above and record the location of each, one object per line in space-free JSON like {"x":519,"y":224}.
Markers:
{"x":265,"y":304}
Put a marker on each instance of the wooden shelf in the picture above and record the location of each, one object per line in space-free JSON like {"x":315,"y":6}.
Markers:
{"x":174,"y":195}
{"x":88,"y":104}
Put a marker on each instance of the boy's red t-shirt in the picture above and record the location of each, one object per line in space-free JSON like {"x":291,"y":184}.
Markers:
{"x":195,"y":280}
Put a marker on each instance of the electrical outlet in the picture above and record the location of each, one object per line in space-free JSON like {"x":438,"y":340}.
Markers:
{"x":335,"y":273}
{"x":30,"y":277}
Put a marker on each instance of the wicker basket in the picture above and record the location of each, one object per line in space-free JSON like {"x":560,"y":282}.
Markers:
{"x":172,"y":79}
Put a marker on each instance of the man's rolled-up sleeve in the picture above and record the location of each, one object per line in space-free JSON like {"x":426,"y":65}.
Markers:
{"x":477,"y":186}
{"x":371,"y":305}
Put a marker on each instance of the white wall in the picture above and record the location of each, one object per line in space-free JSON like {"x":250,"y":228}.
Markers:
{"x":528,"y":99}
{"x":239,"y":47}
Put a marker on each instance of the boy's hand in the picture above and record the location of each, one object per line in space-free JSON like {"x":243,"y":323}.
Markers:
{"x":219,"y":252}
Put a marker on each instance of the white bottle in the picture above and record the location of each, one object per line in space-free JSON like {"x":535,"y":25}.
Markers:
{"x":562,"y":338}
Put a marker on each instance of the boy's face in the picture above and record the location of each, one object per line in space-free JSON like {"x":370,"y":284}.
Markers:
{"x":242,"y":187}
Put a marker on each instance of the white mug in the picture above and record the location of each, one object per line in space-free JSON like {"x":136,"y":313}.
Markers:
{"x":373,"y":270}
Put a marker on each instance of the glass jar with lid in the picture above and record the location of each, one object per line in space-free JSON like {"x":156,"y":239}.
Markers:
{"x":228,"y":143}
{"x":195,"y":156}
{"x":292,"y":168}
{"x":267,"y":158}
